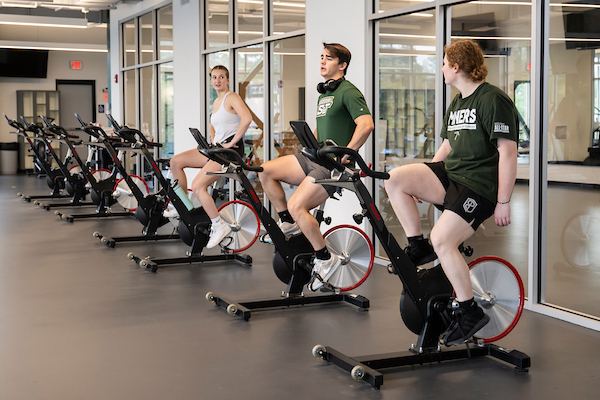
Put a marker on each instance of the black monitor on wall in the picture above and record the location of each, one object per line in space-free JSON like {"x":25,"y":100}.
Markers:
{"x":582,"y":25}
{"x":19,"y":63}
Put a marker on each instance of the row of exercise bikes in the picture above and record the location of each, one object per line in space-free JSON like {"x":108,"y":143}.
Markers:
{"x":426,"y":300}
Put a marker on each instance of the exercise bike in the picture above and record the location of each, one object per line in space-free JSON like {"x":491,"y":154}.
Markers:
{"x":194,"y":223}
{"x":130,"y":191}
{"x":54,"y":176}
{"x":74,"y":181}
{"x":292,"y":257}
{"x":427,"y":297}
{"x":100,"y":184}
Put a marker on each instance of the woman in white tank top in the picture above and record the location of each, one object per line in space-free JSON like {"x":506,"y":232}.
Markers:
{"x":229,"y":122}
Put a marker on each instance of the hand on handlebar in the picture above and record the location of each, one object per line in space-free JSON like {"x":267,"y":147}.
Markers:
{"x":228,"y":145}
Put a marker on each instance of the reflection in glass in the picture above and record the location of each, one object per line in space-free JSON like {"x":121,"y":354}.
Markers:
{"x":130,"y":117}
{"x":165,"y":110}
{"x":573,"y":222}
{"x":147,"y":99}
{"x":129,"y":48}
{"x":505,"y":40}
{"x":406,"y":127}
{"x":249,"y":20}
{"x":218,"y":23}
{"x":287,"y":93}
{"x":387,"y":5}
{"x":251,"y":86}
{"x":288,"y":16}
{"x":165,"y":32}
{"x":146,"y":37}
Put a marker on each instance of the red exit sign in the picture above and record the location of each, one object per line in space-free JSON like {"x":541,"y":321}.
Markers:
{"x":76,"y":65}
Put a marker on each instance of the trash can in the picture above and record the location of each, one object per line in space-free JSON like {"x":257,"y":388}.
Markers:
{"x":9,"y":158}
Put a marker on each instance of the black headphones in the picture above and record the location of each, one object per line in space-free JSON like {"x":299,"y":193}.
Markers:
{"x":330,"y":85}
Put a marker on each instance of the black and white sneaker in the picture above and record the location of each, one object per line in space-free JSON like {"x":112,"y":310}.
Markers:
{"x":463,"y":326}
{"x":420,"y":252}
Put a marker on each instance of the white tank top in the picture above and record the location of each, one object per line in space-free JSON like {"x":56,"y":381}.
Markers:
{"x":225,"y":123}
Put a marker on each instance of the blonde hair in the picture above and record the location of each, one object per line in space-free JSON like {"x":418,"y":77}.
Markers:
{"x":469,"y":57}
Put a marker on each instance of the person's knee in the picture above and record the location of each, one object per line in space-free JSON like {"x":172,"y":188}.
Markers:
{"x":295,"y":207}
{"x":177,"y":162}
{"x":441,"y":243}
{"x":396,"y":180}
{"x":198,"y":186}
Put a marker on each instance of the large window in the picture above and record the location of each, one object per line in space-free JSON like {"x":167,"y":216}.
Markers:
{"x":273,"y":90}
{"x":507,"y":48}
{"x":147,"y":76}
{"x":406,"y":129}
{"x":251,"y":88}
{"x":288,"y":16}
{"x":217,"y":23}
{"x":573,"y":198}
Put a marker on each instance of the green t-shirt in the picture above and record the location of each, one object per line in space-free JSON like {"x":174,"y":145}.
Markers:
{"x":472,"y":126}
{"x":336,"y":112}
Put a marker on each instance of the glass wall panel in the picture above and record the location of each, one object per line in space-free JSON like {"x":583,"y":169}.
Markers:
{"x":387,"y":5}
{"x":251,"y":85}
{"x":129,"y":47}
{"x":406,"y":128}
{"x":147,"y":37}
{"x":503,"y":31}
{"x":214,"y":59}
{"x":165,"y":110}
{"x":249,"y":20}
{"x":573,"y":230}
{"x":288,"y":94}
{"x":130,"y":115}
{"x":147,"y":96}
{"x":288,"y":16}
{"x":217,"y":23}
{"x":165,"y":32}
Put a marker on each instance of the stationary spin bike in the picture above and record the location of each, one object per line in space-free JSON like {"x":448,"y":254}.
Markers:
{"x":130,"y":189}
{"x":292,"y":257}
{"x":54,"y":176}
{"x":427,"y":298}
{"x":194,"y":223}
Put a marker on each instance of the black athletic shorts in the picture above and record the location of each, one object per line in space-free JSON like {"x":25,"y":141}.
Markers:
{"x":239,"y":149}
{"x":471,"y":206}
{"x":316,"y":171}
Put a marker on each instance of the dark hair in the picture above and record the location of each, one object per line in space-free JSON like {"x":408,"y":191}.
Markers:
{"x":469,"y":57}
{"x":221,"y":67}
{"x":340,"y":52}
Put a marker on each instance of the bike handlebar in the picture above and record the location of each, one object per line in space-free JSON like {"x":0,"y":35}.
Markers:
{"x":330,"y":163}
{"x":15,"y":124}
{"x":215,"y":155}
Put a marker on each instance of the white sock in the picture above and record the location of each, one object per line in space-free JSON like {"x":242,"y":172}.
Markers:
{"x":216,"y":220}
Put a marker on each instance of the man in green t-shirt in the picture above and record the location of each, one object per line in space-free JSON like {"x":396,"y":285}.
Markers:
{"x":471,"y":178}
{"x":342,"y":116}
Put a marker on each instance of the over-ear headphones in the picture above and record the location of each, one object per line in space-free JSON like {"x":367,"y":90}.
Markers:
{"x":330,"y":85}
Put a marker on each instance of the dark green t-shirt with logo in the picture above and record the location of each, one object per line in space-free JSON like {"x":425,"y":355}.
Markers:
{"x":472,"y":126}
{"x":336,"y":112}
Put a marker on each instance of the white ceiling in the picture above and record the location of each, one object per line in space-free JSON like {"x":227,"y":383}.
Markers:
{"x":91,"y":5}
{"x":23,"y":24}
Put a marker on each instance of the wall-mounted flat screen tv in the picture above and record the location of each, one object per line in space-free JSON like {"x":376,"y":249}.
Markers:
{"x":18,"y":63}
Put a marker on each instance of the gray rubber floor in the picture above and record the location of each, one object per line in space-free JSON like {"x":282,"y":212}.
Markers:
{"x":80,"y":321}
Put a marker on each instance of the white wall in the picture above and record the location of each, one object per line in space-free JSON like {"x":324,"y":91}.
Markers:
{"x":344,"y":22}
{"x":94,"y":68}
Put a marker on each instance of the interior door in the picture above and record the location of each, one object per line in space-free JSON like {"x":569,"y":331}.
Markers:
{"x":76,"y":96}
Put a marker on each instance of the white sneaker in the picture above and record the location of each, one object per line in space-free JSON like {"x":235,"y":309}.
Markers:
{"x":171,"y":213}
{"x":289,"y":229}
{"x":324,"y":269}
{"x":218,"y":232}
